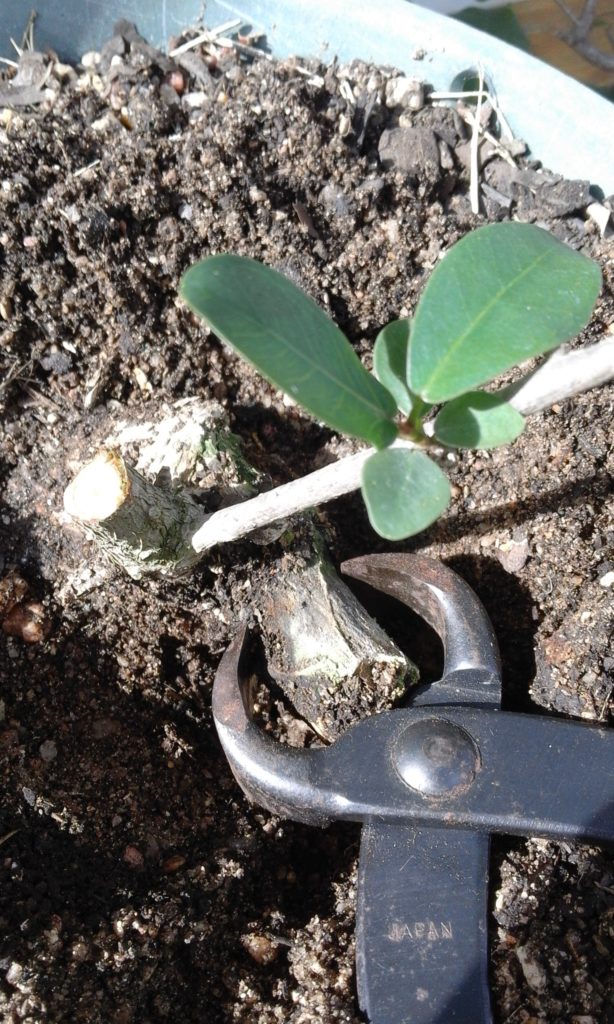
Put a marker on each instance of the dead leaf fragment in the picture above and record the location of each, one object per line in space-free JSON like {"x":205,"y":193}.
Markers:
{"x":173,"y":863}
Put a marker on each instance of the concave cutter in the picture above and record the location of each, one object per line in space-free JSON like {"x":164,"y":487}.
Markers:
{"x":429,"y":783}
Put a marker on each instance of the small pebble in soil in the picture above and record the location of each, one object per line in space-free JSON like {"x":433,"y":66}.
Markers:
{"x":133,"y":857}
{"x":48,"y":751}
{"x":513,"y":554}
{"x":260,"y":948}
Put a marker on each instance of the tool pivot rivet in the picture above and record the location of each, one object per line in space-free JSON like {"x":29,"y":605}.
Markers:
{"x":436,"y":757}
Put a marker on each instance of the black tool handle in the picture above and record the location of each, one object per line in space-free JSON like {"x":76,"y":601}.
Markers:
{"x":421,"y":933}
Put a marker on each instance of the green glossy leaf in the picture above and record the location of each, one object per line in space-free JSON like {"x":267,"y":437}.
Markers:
{"x":390,"y":361}
{"x":292,"y":342}
{"x":478,"y":420}
{"x":503,"y":294}
{"x":404,"y":492}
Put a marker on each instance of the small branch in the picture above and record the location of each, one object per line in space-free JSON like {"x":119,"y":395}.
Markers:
{"x":209,"y":36}
{"x":563,"y":376}
{"x":316,"y":488}
{"x":474,"y":180}
{"x":577,"y":37}
{"x":148,"y":528}
{"x":601,"y":59}
{"x":584,"y":23}
{"x":560,"y":378}
{"x":470,"y":118}
{"x":27,"y":39}
{"x":441,"y":97}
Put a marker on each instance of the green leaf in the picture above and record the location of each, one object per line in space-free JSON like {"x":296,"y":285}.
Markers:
{"x":292,"y":342}
{"x":404,"y":492}
{"x":478,"y":420}
{"x":390,"y":361}
{"x":503,"y":294}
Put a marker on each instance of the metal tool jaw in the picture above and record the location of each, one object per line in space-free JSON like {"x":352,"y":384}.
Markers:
{"x":430,"y":783}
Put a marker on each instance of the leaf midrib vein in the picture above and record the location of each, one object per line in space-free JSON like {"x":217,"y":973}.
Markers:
{"x":317,"y":367}
{"x":474,"y":323}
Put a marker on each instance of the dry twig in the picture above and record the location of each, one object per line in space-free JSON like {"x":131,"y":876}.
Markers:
{"x":474,"y":181}
{"x":113,"y":501}
{"x":561,"y":377}
{"x":577,"y":36}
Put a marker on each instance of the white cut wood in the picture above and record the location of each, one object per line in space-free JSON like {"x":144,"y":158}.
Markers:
{"x":99,"y":489}
{"x":142,"y":527}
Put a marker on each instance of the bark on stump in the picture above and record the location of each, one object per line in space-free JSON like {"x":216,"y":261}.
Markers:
{"x":332,"y":661}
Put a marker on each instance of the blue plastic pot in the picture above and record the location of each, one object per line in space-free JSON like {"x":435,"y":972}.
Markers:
{"x":566,"y":125}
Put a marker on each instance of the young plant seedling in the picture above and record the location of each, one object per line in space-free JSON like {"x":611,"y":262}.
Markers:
{"x":504,"y":294}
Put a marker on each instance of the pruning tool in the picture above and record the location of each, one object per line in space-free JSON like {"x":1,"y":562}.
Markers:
{"x":429,"y":783}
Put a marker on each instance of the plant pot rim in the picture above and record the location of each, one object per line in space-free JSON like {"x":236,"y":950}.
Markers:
{"x":564,"y":123}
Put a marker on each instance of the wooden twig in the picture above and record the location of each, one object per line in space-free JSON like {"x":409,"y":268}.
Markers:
{"x":27,"y":40}
{"x":175,"y":538}
{"x":470,"y":118}
{"x":88,"y":167}
{"x":316,"y":488}
{"x":441,"y":97}
{"x":208,"y":36}
{"x":474,"y":179}
{"x":563,"y":376}
{"x":577,"y":36}
{"x":584,"y":22}
{"x":16,"y":372}
{"x":251,"y":51}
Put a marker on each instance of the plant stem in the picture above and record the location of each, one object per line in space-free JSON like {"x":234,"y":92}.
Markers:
{"x":564,"y":375}
{"x":324,"y":485}
{"x":148,"y":528}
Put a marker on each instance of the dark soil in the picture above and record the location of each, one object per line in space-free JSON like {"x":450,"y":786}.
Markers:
{"x":137,"y":885}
